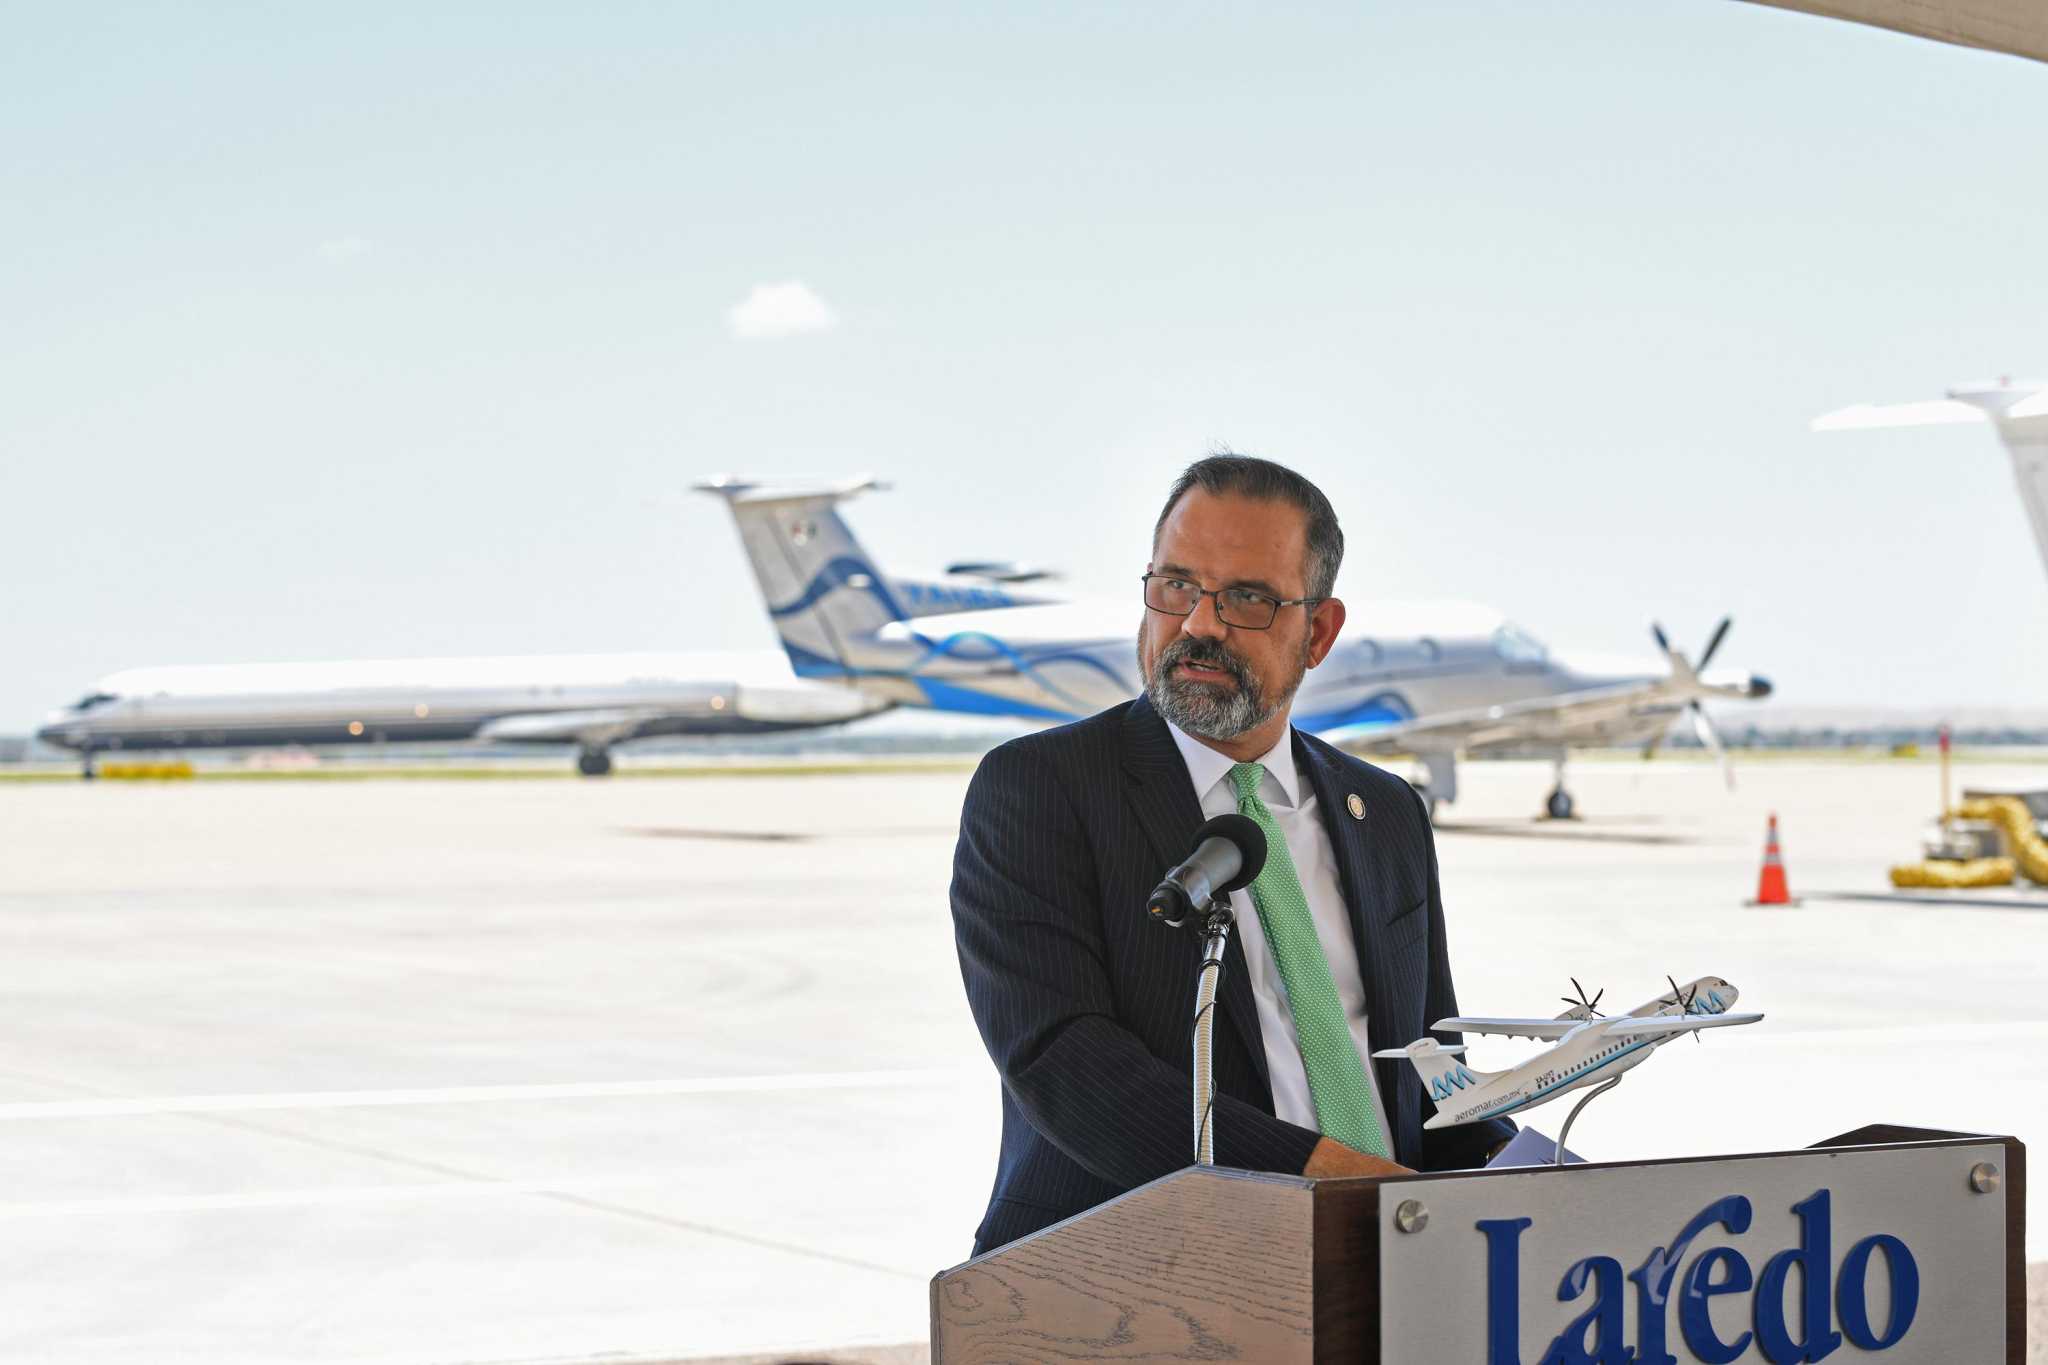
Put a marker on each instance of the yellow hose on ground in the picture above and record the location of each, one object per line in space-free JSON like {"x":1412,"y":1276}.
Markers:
{"x":1950,"y":876}
{"x":174,"y":771}
{"x":2010,"y":814}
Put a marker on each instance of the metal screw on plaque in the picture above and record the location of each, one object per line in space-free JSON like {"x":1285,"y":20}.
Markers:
{"x":1984,"y":1177}
{"x":1410,"y":1216}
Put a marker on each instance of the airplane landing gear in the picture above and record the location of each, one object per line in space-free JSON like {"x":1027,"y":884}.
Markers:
{"x":594,"y":762}
{"x":1558,"y":805}
{"x":1438,"y":780}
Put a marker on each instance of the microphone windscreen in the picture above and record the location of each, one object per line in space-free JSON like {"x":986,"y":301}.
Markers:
{"x":1243,"y":831}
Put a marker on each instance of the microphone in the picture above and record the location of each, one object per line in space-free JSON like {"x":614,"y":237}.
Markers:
{"x":1229,"y":851}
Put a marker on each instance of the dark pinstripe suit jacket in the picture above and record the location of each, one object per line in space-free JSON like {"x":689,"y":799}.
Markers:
{"x":1085,"y":1004}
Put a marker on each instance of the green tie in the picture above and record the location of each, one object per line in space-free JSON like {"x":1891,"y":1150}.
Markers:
{"x":1336,"y":1076}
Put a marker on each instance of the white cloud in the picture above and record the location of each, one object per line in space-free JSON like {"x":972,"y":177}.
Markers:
{"x":780,"y":310}
{"x":344,"y":248}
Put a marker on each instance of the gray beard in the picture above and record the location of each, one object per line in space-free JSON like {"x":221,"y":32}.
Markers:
{"x":1204,"y":709}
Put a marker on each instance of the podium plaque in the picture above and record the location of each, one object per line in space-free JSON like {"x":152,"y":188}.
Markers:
{"x":1885,"y":1244}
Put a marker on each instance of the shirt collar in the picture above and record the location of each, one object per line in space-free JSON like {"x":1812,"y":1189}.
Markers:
{"x":1207,"y":767}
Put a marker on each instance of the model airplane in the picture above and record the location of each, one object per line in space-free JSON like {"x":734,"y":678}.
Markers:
{"x":1590,"y":1049}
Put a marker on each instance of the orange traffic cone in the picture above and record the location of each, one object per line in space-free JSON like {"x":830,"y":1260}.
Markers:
{"x":1770,"y":885}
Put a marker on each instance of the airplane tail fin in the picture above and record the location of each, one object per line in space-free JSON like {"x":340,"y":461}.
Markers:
{"x":2024,"y":429}
{"x":2017,"y":408}
{"x":821,"y":588}
{"x":1441,"y":1066}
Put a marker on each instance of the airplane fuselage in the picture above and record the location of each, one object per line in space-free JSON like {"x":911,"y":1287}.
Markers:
{"x":1392,"y":663}
{"x":1586,"y":1057}
{"x":438,"y":700}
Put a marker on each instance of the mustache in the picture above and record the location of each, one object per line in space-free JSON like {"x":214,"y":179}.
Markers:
{"x":1204,"y":654}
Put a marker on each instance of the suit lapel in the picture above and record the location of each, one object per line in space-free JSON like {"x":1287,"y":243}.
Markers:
{"x":1163,"y":795}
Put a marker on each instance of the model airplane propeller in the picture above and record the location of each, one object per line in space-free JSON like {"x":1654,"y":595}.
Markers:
{"x":1590,"y":1008}
{"x":1587,"y":1049}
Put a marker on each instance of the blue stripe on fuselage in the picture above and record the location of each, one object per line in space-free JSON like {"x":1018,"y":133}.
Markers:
{"x":947,"y":697}
{"x":1570,"y":1079}
{"x":1381,"y":708}
{"x":839,"y":573}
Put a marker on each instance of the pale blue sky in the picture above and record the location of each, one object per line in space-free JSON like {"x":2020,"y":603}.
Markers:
{"x":358,"y":331}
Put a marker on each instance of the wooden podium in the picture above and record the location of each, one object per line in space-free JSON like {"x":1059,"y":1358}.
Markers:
{"x":1487,"y":1267}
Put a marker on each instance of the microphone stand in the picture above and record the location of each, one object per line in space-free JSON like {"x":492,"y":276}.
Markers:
{"x":1216,"y":923}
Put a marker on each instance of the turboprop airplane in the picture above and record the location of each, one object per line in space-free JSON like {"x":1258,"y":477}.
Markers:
{"x":1429,"y":680}
{"x":2016,"y":410}
{"x":1588,"y":1049}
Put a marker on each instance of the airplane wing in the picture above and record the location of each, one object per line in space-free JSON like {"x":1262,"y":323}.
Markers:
{"x":1550,"y":1029}
{"x":1674,"y":1023}
{"x":597,"y":726}
{"x":1871,"y":416}
{"x":1618,"y":712}
{"x":699,"y":709}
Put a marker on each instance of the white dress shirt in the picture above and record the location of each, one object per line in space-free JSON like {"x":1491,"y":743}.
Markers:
{"x":1293,"y":804}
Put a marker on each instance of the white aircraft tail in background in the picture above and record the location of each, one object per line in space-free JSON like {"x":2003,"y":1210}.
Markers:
{"x":2016,"y":409}
{"x":802,"y":552}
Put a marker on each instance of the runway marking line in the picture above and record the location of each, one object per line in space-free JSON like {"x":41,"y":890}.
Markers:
{"x":475,"y":1094}
{"x":313,"y":1196}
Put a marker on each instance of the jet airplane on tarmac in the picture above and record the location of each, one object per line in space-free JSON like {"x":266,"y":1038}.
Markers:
{"x":591,"y":701}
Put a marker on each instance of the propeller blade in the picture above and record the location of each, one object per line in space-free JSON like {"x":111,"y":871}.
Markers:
{"x":1711,"y":738}
{"x":1683,"y":999}
{"x":1714,"y":643}
{"x":1663,"y":642}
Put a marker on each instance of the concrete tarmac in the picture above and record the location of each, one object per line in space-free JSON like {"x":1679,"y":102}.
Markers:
{"x":648,"y":1069}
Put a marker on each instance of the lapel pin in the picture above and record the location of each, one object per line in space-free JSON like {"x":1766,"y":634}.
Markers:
{"x":1356,"y":805}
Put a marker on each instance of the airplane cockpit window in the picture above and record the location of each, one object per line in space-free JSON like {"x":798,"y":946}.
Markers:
{"x":92,"y":699}
{"x":1518,"y":646}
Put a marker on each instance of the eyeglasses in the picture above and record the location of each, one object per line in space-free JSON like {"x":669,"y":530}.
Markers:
{"x":1239,"y":608}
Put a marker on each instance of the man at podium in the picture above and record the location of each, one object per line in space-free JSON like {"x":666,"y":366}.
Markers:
{"x":1085,"y":1004}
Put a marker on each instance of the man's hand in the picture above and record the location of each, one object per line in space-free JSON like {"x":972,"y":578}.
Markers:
{"x":1333,"y":1158}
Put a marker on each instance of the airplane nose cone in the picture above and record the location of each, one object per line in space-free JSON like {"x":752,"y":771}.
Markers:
{"x":56,"y":732}
{"x":1759,"y":687}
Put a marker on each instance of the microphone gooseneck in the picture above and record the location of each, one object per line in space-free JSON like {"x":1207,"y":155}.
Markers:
{"x":1229,"y":851}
